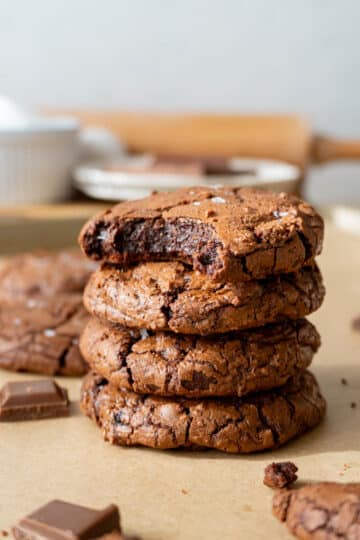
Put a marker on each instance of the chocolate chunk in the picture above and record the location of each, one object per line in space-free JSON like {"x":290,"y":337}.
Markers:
{"x":279,"y":475}
{"x":32,"y":400}
{"x":59,"y":520}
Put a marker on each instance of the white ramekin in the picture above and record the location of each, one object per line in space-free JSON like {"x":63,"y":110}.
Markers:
{"x":36,"y":161}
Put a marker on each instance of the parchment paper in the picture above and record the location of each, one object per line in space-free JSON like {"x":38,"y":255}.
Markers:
{"x":187,"y":495}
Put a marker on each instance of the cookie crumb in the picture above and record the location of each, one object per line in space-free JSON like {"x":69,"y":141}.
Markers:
{"x":279,"y":475}
{"x":353,"y":405}
{"x":344,"y":382}
{"x":4,"y":533}
{"x":184,"y":492}
{"x":356,"y":323}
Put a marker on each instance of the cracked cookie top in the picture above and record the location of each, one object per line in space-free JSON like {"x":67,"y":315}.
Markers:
{"x":227,"y":233}
{"x":44,"y":273}
{"x":240,"y":425}
{"x":222,"y":365}
{"x":169,"y":296}
{"x":322,"y":510}
{"x":41,"y":335}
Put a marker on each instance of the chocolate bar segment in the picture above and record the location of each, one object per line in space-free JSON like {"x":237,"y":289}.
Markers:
{"x":59,"y":520}
{"x":32,"y":400}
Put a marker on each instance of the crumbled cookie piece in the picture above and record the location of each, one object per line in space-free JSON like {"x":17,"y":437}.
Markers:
{"x":280,"y":475}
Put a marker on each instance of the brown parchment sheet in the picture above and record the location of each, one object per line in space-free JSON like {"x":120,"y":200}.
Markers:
{"x":186,"y":495}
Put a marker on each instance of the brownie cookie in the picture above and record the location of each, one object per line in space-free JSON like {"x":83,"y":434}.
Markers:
{"x":169,"y":296}
{"x":41,"y":335}
{"x":228,"y":233}
{"x":257,"y":422}
{"x":325,"y":510}
{"x":222,"y":365}
{"x":44,"y":273}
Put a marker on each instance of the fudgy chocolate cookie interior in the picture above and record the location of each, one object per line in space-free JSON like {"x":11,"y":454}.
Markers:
{"x":183,"y":239}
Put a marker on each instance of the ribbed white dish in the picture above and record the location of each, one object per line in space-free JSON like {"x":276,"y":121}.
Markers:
{"x":100,"y":181}
{"x":36,"y":161}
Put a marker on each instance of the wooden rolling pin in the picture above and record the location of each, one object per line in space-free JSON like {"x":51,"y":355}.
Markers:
{"x":286,"y":138}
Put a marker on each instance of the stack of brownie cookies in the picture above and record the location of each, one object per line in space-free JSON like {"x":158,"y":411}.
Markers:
{"x":197,"y":336}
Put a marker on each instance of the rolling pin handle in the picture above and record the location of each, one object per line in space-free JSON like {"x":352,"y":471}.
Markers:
{"x":325,"y":149}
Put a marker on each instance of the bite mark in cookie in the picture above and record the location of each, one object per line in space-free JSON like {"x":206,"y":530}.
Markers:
{"x":227,"y":233}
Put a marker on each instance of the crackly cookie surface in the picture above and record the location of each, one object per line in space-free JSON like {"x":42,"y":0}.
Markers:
{"x":169,"y":296}
{"x":228,"y":233}
{"x":44,"y":273}
{"x":239,"y":425}
{"x":188,"y":365}
{"x":325,"y":510}
{"x":41,"y":335}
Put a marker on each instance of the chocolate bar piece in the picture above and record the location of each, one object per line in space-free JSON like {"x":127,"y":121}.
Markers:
{"x":32,"y":400}
{"x":59,"y":520}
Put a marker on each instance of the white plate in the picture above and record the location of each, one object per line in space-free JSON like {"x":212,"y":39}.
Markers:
{"x":96,"y":180}
{"x":347,"y":218}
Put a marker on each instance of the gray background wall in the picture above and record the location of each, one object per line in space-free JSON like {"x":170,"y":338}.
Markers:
{"x":221,"y":55}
